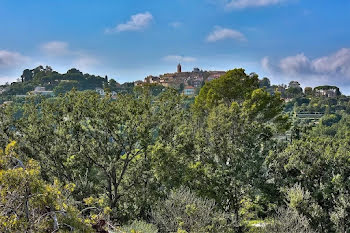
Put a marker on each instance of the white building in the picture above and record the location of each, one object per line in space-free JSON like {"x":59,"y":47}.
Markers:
{"x":327,"y":92}
{"x":100,"y":91}
{"x":42,"y":91}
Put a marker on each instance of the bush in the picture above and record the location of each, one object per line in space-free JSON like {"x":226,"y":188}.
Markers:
{"x":140,"y":227}
{"x":29,"y":204}
{"x":183,"y":211}
{"x":289,"y":221}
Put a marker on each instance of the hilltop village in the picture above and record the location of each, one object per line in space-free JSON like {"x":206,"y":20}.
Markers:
{"x":186,"y":82}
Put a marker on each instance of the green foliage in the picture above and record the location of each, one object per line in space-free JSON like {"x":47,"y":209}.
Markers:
{"x":331,"y":119}
{"x":288,"y":221}
{"x":64,"y":87}
{"x":62,"y":83}
{"x":235,"y":85}
{"x":154,"y":89}
{"x":183,"y":211}
{"x":125,"y":155}
{"x":99,"y":144}
{"x":293,"y":92}
{"x":319,"y":166}
{"x":140,"y":227}
{"x":308,"y":91}
{"x":29,"y":204}
{"x":265,"y":82}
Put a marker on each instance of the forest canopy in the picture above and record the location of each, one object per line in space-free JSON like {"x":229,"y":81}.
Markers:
{"x":236,"y":159}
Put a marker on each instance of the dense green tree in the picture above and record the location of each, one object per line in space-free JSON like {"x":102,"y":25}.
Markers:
{"x":102,"y":146}
{"x":98,"y":144}
{"x":64,"y":87}
{"x":233,"y":138}
{"x":294,"y":92}
{"x":308,"y":91}
{"x":29,"y":204}
{"x":265,"y":82}
{"x":235,"y":85}
{"x":232,"y":150}
{"x":320,"y":165}
{"x":74,"y":71}
{"x":27,"y":75}
{"x":154,"y":89}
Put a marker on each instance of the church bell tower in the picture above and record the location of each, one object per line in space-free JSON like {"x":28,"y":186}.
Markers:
{"x":179,"y":68}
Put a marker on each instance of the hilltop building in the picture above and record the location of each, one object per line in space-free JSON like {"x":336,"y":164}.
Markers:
{"x":197,"y":82}
{"x":179,"y":68}
{"x":138,"y":83}
{"x":327,"y":91}
{"x":151,"y":79}
{"x":195,"y":79}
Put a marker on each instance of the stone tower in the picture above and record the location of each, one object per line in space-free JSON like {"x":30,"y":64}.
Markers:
{"x":179,"y":68}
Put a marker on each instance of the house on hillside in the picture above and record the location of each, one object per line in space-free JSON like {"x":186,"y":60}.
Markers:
{"x":138,"y":83}
{"x":114,"y":95}
{"x":6,"y":103}
{"x":100,"y":91}
{"x":151,"y":79}
{"x":327,"y":91}
{"x":21,"y":96}
{"x":189,"y":91}
{"x":41,"y":91}
{"x":197,"y":82}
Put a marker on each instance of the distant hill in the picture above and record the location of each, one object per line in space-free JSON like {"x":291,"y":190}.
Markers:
{"x":60,"y":83}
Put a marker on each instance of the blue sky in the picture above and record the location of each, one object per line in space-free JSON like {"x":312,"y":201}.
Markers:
{"x":305,"y":40}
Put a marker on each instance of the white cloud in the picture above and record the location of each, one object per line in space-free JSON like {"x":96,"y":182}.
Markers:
{"x":240,"y":4}
{"x":84,"y":62}
{"x":295,"y":64}
{"x":225,"y":33}
{"x":61,"y":51}
{"x":338,"y":62}
{"x":175,"y":24}
{"x":137,"y":22}
{"x":265,"y":63}
{"x":332,"y":69}
{"x":9,"y":79}
{"x":55,"y":48}
{"x":10,"y":59}
{"x":177,"y":58}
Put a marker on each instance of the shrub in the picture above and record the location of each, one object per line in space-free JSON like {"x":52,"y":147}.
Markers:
{"x":183,"y":211}
{"x":140,"y":227}
{"x":29,"y":204}
{"x":289,"y":221}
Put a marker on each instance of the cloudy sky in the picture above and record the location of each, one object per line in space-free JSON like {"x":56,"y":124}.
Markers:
{"x":305,"y":40}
